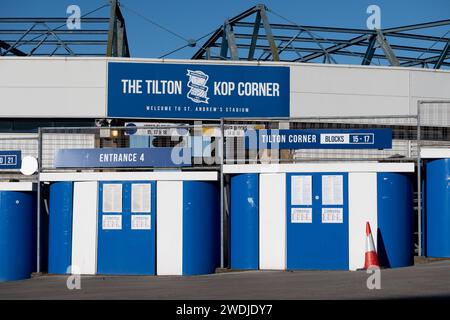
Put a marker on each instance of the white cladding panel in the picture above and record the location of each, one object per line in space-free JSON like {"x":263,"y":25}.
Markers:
{"x":76,"y":87}
{"x":429,"y":85}
{"x":349,"y":80}
{"x":55,"y":87}
{"x":169,"y":226}
{"x":362,"y":208}
{"x":272,"y":221}
{"x":84,"y":229}
{"x":324,"y":104}
{"x":323,"y":90}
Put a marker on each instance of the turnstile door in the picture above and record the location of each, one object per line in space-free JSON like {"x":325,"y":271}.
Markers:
{"x":317,"y":221}
{"x":126,"y":228}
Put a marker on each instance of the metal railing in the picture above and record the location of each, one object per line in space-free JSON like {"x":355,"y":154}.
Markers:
{"x":404,"y":144}
{"x":202,"y":142}
{"x":214,"y":144}
{"x":433,"y":130}
{"x":28,"y":144}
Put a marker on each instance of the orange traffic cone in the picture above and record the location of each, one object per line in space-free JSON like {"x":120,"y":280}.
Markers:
{"x":371,"y":258}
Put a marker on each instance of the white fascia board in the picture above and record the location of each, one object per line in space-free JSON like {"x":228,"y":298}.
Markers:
{"x":320,"y":167}
{"x":17,"y":186}
{"x":434,"y":153}
{"x":130,"y":176}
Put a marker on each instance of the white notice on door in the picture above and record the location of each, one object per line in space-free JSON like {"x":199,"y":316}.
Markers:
{"x":112,"y":197}
{"x":140,"y":197}
{"x":141,"y":222}
{"x":332,"y":190}
{"x":112,"y":222}
{"x":301,"y":190}
{"x":332,"y":215}
{"x":301,"y":215}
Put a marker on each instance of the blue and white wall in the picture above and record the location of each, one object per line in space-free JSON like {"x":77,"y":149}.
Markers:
{"x":436,"y":202}
{"x":187,"y":223}
{"x":17,"y":230}
{"x":380,"y":193}
{"x":315,"y":89}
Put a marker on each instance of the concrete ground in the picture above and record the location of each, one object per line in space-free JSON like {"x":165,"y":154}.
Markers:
{"x":424,"y":280}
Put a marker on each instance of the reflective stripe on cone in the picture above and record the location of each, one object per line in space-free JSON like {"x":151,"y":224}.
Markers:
{"x":371,"y":257}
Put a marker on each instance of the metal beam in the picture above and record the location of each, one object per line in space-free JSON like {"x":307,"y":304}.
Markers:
{"x":51,"y":20}
{"x":231,"y":41}
{"x":442,"y":56}
{"x":60,"y":31}
{"x":269,"y":35}
{"x":412,"y":63}
{"x":122,"y":39}
{"x":418,"y":26}
{"x":55,"y":42}
{"x":209,"y":43}
{"x":112,"y":26}
{"x":45,"y":32}
{"x":370,"y":51}
{"x":280,"y":26}
{"x":387,"y":49}
{"x":288,"y":43}
{"x":224,"y":45}
{"x":336,"y":41}
{"x":417,"y":37}
{"x":351,"y":30}
{"x":334,"y":48}
{"x":251,"y":51}
{"x":415,"y":62}
{"x":8,"y":48}
{"x":98,"y":54}
{"x":339,"y":44}
{"x":219,"y":32}
{"x":266,"y":49}
{"x":16,"y":42}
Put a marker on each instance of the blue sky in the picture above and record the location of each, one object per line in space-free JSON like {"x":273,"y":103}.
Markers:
{"x":195,"y":18}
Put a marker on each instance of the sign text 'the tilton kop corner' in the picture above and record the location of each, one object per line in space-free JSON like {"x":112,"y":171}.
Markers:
{"x":194,"y":91}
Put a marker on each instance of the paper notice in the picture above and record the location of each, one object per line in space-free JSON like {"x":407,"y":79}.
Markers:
{"x":332,"y":215}
{"x":301,"y":215}
{"x":112,"y":222}
{"x":141,"y":222}
{"x":332,"y":190}
{"x":112,"y":197}
{"x":301,"y":190}
{"x":140,"y":197}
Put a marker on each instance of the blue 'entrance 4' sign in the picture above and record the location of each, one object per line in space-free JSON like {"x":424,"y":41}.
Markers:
{"x":320,"y":139}
{"x":194,"y":91}
{"x":10,"y":159}
{"x":122,"y":158}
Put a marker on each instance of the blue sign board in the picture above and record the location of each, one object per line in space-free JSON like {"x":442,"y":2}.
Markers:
{"x":122,"y":157}
{"x":320,"y":139}
{"x":10,"y":159}
{"x":194,"y":91}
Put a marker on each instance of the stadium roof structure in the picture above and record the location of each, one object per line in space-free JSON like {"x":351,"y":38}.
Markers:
{"x":250,"y":36}
{"x":99,"y":36}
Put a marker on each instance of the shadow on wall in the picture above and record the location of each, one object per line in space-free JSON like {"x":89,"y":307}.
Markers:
{"x":381,"y":251}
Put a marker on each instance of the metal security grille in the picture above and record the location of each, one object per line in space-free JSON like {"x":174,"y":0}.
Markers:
{"x":434,"y":121}
{"x":433,"y":131}
{"x":51,"y":142}
{"x":404,"y":144}
{"x":203,"y":141}
{"x":27,"y":144}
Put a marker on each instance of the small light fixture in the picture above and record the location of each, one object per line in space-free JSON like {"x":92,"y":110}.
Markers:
{"x":114,"y":133}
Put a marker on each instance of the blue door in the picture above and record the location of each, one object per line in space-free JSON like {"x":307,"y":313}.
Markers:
{"x":317,"y":221}
{"x":126,"y":228}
